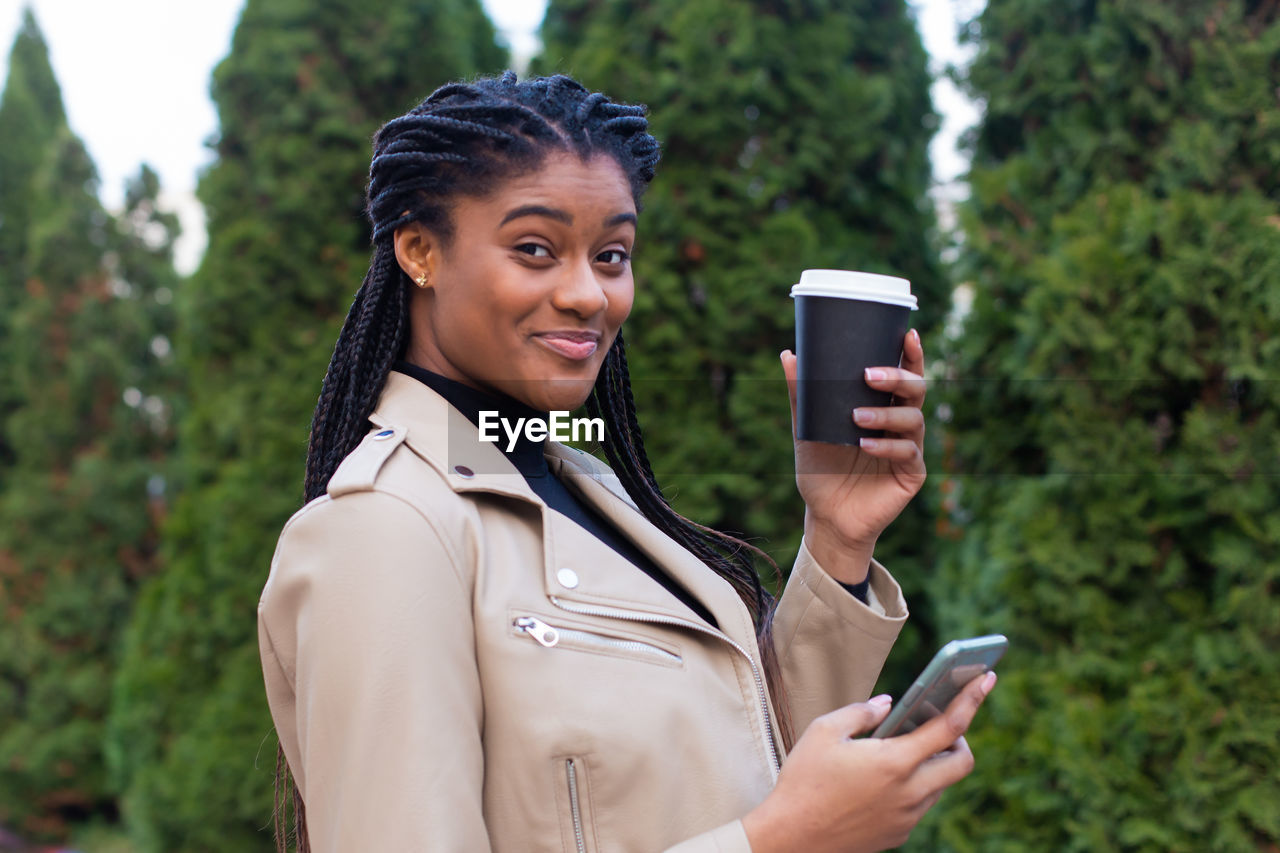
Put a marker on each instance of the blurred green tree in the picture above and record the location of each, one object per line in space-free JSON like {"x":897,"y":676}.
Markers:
{"x":300,"y":95}
{"x":794,"y":136}
{"x":31,"y":116}
{"x":87,"y":386}
{"x":1114,"y":441}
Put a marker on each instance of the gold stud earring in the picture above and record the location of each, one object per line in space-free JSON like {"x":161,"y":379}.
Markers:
{"x":421,"y":280}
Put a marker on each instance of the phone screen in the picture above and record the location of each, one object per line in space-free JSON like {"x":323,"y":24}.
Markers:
{"x":955,"y":665}
{"x":938,"y":696}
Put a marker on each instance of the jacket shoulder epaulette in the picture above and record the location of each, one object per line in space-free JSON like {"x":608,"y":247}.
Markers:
{"x":359,"y":471}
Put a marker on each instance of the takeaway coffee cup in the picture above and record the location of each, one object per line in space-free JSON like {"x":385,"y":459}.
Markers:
{"x":845,"y":321}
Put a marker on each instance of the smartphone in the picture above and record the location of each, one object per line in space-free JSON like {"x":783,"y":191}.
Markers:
{"x":955,"y":665}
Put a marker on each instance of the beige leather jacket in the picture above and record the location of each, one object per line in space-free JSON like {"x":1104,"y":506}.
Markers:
{"x":453,"y":666}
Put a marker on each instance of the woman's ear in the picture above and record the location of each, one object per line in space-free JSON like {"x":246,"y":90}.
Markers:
{"x":417,"y":252}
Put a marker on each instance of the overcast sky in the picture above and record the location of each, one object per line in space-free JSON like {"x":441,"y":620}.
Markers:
{"x":135,"y":79}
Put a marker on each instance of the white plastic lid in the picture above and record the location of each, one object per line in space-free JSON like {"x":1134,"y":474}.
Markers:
{"x":848,"y":284}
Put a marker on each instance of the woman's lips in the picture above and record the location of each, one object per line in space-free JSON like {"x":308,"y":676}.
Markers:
{"x":575,"y":346}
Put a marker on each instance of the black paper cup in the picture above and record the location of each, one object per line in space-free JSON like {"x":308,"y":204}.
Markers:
{"x":846,"y":321}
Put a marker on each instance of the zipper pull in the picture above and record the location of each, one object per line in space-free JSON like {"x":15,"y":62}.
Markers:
{"x":543,"y":633}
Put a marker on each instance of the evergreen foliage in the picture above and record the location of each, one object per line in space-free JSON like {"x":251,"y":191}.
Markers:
{"x":794,"y":136}
{"x":299,"y":97}
{"x":31,"y":115}
{"x":81,"y":497}
{"x":1115,"y":442}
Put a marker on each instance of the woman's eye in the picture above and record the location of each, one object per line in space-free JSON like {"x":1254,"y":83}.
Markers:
{"x":614,"y":256}
{"x":536,"y":250}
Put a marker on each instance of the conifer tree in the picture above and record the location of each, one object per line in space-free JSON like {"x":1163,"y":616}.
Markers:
{"x":77,"y":529}
{"x":794,"y":136}
{"x":79,"y":509}
{"x":31,"y":115}
{"x":1115,"y":429}
{"x":299,"y":97}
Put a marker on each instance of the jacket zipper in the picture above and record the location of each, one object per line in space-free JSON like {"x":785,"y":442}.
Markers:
{"x":574,"y":808}
{"x":548,"y":636}
{"x":637,"y":616}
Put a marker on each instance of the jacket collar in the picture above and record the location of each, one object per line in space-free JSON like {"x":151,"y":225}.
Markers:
{"x":448,"y":441}
{"x":714,"y":592}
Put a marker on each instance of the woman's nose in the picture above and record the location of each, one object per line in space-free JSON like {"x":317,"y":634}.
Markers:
{"x":579,"y":291}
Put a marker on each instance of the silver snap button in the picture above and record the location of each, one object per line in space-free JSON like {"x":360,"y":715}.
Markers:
{"x":568,"y":578}
{"x":384,"y":435}
{"x":463,"y":471}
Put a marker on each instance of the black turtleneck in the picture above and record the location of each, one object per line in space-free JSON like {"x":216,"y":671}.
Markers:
{"x":528,"y":458}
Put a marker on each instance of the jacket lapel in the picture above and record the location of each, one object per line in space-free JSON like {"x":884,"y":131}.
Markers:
{"x":444,"y":438}
{"x":701,"y":582}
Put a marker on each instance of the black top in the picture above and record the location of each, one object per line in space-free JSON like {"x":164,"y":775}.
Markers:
{"x":527,"y":457}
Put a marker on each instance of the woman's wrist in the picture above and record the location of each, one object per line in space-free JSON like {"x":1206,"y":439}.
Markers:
{"x":759,"y":829}
{"x":847,"y":561}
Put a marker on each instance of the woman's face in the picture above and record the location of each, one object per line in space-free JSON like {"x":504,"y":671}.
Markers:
{"x":528,"y":296}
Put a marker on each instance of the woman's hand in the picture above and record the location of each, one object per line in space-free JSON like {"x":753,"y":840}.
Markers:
{"x":852,"y":493}
{"x":835,"y":793}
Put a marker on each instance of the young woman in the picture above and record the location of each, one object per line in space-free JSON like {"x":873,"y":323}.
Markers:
{"x":472,"y":645}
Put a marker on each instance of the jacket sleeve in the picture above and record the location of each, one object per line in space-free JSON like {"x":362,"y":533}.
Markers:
{"x":730,"y":838}
{"x":368,"y":653}
{"x":830,"y":645}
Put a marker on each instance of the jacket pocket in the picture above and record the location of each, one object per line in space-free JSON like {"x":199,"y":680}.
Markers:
{"x":576,"y":827}
{"x":561,"y":635}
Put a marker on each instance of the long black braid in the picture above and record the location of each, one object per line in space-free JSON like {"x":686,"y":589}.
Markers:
{"x":462,"y":140}
{"x":612,"y":401}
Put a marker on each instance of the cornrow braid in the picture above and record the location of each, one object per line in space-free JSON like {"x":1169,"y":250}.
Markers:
{"x":612,"y":401}
{"x":730,"y":557}
{"x":463,"y":140}
{"x":371,"y":338}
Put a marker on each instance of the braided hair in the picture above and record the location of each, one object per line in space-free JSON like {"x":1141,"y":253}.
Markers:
{"x":464,"y":139}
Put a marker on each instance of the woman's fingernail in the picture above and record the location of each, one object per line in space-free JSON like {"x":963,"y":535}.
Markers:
{"x":868,"y":443}
{"x":875,"y":374}
{"x":988,"y":681}
{"x":884,"y":700}
{"x":915,"y":336}
{"x":864,"y":416}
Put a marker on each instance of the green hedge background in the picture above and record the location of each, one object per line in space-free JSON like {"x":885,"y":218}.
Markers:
{"x":1104,"y":447}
